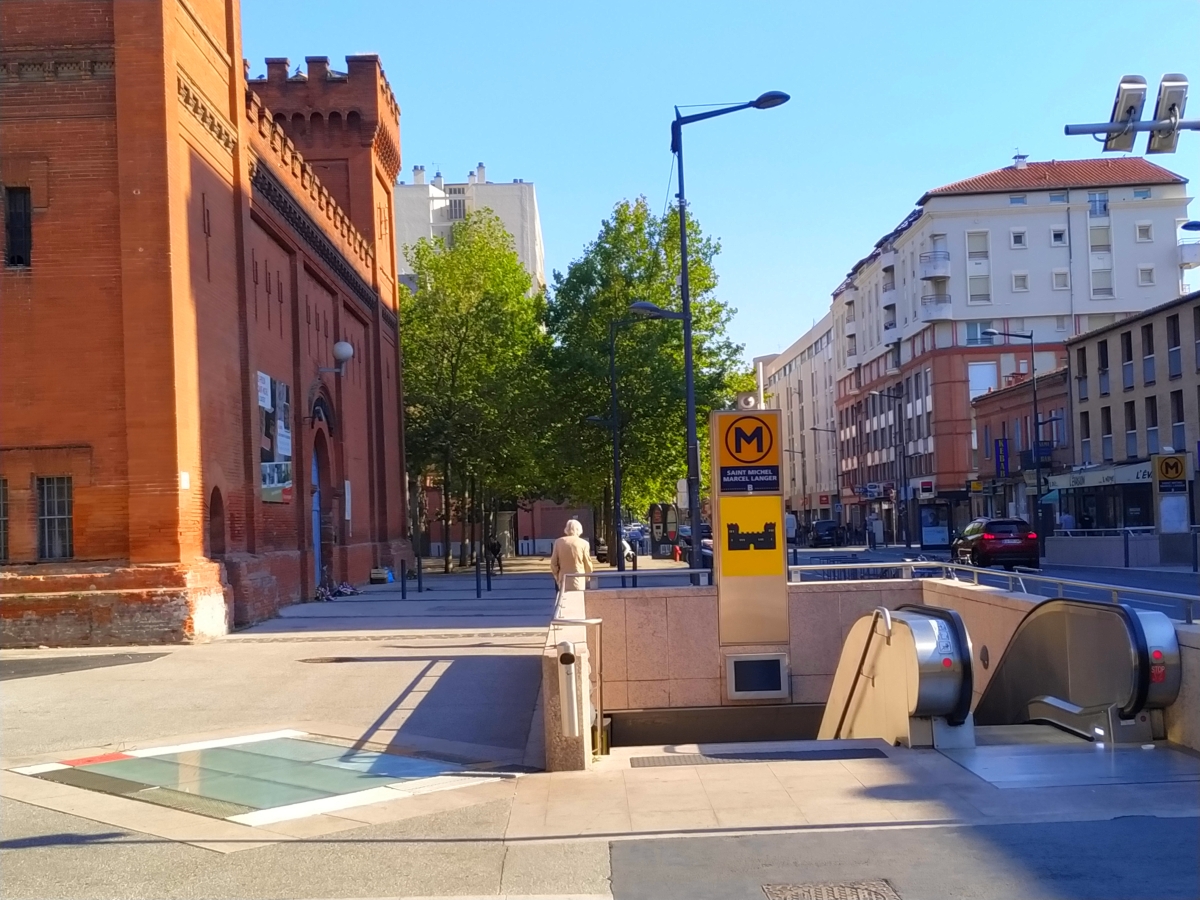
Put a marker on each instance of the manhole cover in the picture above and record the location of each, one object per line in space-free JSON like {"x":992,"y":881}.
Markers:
{"x":841,"y":890}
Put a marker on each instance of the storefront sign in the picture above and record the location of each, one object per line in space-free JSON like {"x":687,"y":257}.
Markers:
{"x":1100,"y":476}
{"x":275,"y":440}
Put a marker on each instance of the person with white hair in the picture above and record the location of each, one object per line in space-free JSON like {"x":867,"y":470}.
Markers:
{"x":571,"y":558}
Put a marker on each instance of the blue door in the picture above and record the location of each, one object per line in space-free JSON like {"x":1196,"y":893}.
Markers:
{"x":316,"y":522}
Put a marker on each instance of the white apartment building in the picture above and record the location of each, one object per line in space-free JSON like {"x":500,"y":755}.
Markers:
{"x":800,"y":381}
{"x":1054,"y":248}
{"x":430,"y":209}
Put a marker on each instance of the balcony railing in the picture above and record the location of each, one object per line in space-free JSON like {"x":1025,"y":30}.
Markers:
{"x":1178,"y":439}
{"x":935,"y":264}
{"x":1127,"y":375}
{"x":1174,"y":362}
{"x":936,"y":306}
{"x":1148,"y":369}
{"x":1085,"y":452}
{"x":1106,"y":447}
{"x":1152,"y":439}
{"x":1103,"y":382}
{"x":1130,"y":444}
{"x":1082,"y":382}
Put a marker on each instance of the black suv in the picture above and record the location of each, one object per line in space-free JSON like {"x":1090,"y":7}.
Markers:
{"x":986,"y":542}
{"x":823,"y":533}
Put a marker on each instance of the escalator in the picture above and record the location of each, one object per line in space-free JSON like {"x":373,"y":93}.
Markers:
{"x":1092,"y":671}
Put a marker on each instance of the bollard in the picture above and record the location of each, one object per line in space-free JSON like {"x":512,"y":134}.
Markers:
{"x":478,"y":580}
{"x":635,"y":559}
{"x":1125,"y":533}
{"x":489,"y":576}
{"x":404,"y":579}
{"x":1195,"y":552}
{"x":420,"y":576}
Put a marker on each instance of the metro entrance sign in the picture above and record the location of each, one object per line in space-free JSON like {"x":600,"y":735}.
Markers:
{"x":749,"y":536}
{"x":748,"y":452}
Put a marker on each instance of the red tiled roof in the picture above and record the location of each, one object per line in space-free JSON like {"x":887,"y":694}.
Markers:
{"x":1062,"y":174}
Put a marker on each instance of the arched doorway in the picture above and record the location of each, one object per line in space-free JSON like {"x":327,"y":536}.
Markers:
{"x":216,"y":525}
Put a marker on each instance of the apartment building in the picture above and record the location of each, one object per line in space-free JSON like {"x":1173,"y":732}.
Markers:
{"x":1135,"y":392}
{"x":1054,"y":249}
{"x":430,"y":209}
{"x":800,"y":382}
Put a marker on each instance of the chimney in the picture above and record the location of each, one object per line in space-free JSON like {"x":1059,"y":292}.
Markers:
{"x":480,"y":178}
{"x":1019,"y":160}
{"x":418,"y":174}
{"x":470,"y":178}
{"x":318,"y":67}
{"x":277,"y":69}
{"x":437,"y":180}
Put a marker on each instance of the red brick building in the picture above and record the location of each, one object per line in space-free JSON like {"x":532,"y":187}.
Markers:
{"x":179,"y":452}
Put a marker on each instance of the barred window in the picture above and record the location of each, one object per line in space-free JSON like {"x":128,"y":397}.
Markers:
{"x":56,"y":517}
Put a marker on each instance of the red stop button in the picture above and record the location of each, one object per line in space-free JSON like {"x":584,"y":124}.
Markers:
{"x":1158,"y":674}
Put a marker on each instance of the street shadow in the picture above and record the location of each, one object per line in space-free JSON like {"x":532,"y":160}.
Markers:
{"x":61,"y":839}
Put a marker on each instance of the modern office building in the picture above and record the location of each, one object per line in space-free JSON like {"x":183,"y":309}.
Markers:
{"x":800,"y":382}
{"x":430,"y":209}
{"x":1051,"y":248}
{"x":200,"y":394}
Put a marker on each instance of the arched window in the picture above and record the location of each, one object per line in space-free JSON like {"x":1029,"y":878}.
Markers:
{"x":216,"y":525}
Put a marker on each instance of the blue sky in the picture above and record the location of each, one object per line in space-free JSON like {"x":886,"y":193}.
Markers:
{"x":888,"y":100}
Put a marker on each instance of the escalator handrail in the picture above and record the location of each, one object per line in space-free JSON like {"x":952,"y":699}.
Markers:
{"x":966,"y":690}
{"x":1137,"y":636}
{"x":887,"y":620}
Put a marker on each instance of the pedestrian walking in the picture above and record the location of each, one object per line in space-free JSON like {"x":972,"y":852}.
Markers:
{"x":571,"y":558}
{"x":496,"y":549}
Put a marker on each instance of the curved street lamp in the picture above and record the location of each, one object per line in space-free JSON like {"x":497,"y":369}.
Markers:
{"x":769,"y":100}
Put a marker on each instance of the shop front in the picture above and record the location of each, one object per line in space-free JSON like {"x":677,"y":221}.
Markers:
{"x":1106,"y":497}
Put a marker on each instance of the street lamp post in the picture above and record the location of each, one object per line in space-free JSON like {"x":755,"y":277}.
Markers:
{"x":1037,"y":425}
{"x":837,"y":475}
{"x":903,"y":462}
{"x":765,"y":101}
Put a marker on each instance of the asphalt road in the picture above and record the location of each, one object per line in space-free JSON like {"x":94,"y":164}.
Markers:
{"x":1129,"y":858}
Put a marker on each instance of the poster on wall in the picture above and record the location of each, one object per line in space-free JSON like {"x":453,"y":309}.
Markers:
{"x":275,"y":440}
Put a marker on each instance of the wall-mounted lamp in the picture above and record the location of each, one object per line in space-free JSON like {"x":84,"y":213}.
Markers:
{"x":343,"y":352}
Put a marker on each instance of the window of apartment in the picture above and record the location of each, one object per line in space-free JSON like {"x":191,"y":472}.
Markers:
{"x":1148,"y":353}
{"x":1058,"y":196}
{"x":1100,"y":239}
{"x":56,"y":517}
{"x":1196,"y":333}
{"x":1145,"y":276}
{"x":1141,"y":193}
{"x":981,"y":378}
{"x":1017,"y":200}
{"x":977,"y":245}
{"x":1102,"y":366}
{"x":1174,"y":348}
{"x":1127,"y":360}
{"x":1061,"y":279}
{"x":1151,"y":424}
{"x":1020,"y":281}
{"x":1145,"y":232}
{"x":1106,"y":439}
{"x":1060,"y":323}
{"x":1058,"y":236}
{"x":1178,"y":440}
{"x":1102,"y":283}
{"x":1017,"y":239}
{"x":979,"y":289}
{"x":18,"y":227}
{"x":987,"y":441}
{"x":1085,"y":438}
{"x":3,"y":520}
{"x":1097,"y":204}
{"x":975,"y":333}
{"x":1131,"y":442}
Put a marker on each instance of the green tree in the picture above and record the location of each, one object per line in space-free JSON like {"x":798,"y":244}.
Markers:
{"x":635,"y":257}
{"x":474,"y":362}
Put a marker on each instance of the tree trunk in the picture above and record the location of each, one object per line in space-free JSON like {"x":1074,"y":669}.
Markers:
{"x":446,"y":512}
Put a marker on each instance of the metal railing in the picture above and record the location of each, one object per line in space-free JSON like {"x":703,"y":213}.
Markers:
{"x":1103,"y":532}
{"x":1019,"y":580}
{"x":607,"y":581}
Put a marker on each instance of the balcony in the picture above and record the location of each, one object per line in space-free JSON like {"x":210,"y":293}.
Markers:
{"x":935,"y":264}
{"x":1189,"y":254}
{"x":936,"y":308}
{"x":888,"y":298}
{"x":851,"y":327}
{"x":887,"y":259}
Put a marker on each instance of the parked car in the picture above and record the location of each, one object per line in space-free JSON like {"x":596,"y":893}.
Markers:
{"x":823,"y":533}
{"x":988,"y":542}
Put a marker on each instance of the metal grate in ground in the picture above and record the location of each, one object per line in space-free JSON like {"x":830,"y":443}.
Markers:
{"x":702,"y":759}
{"x":842,"y":890}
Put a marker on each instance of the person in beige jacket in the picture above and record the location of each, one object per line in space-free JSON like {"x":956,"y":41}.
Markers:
{"x":571,"y":558}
